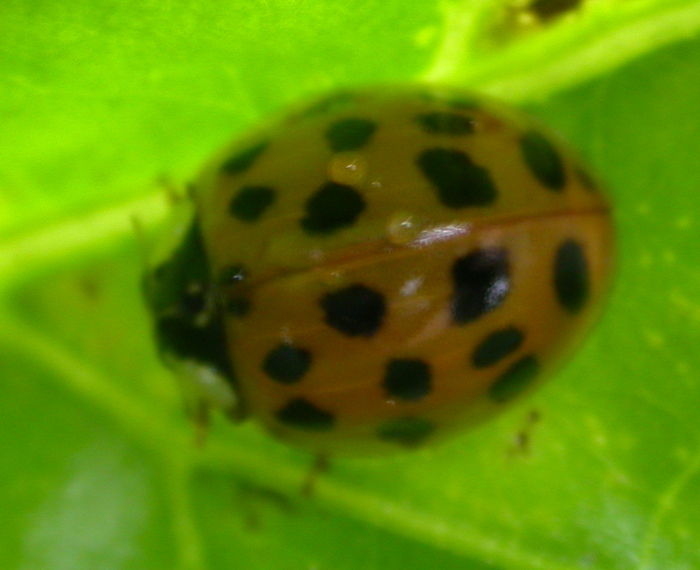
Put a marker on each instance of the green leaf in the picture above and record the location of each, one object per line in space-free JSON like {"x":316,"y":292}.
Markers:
{"x":100,"y":468}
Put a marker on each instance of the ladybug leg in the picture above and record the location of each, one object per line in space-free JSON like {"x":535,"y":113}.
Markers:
{"x":320,"y":466}
{"x":522,"y":440}
{"x":140,"y":233}
{"x":237,"y":413}
{"x":174,"y":193}
{"x":201,"y":417}
{"x":255,"y":499}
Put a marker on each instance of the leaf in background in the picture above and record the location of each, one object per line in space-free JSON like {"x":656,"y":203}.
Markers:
{"x":598,"y":470}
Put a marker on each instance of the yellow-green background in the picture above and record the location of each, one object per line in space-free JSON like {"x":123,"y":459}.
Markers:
{"x":101,"y":100}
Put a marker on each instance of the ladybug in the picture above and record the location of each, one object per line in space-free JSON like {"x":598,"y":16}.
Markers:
{"x":381,"y":268}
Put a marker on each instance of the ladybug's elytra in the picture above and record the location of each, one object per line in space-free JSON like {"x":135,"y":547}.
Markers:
{"x":381,"y":268}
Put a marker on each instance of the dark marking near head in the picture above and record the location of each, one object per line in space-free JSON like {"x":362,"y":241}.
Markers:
{"x":441,"y":123}
{"x":195,"y":300}
{"x":407,"y":379}
{"x":179,"y":286}
{"x":244,"y":159}
{"x":497,"y":346}
{"x":514,"y":381}
{"x":481,"y":283}
{"x":251,"y":202}
{"x":287,"y":364}
{"x":459,"y":182}
{"x":407,"y":432}
{"x":543,"y":160}
{"x":355,"y":310}
{"x":181,"y":299}
{"x":331,"y":208}
{"x":350,"y":134}
{"x":571,"y":279}
{"x":302,"y":414}
{"x":207,"y":344}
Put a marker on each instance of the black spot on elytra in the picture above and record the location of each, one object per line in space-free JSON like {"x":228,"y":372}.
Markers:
{"x":543,"y":160}
{"x":497,"y":346}
{"x":441,"y":123}
{"x":515,"y":380}
{"x":287,"y":364}
{"x":244,"y":159}
{"x":251,"y":202}
{"x":481,"y":282}
{"x":350,"y":134}
{"x":302,"y":414}
{"x":407,"y":379}
{"x":355,"y":310}
{"x":571,"y":279}
{"x":331,"y":208}
{"x":459,"y":182}
{"x":407,"y":432}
